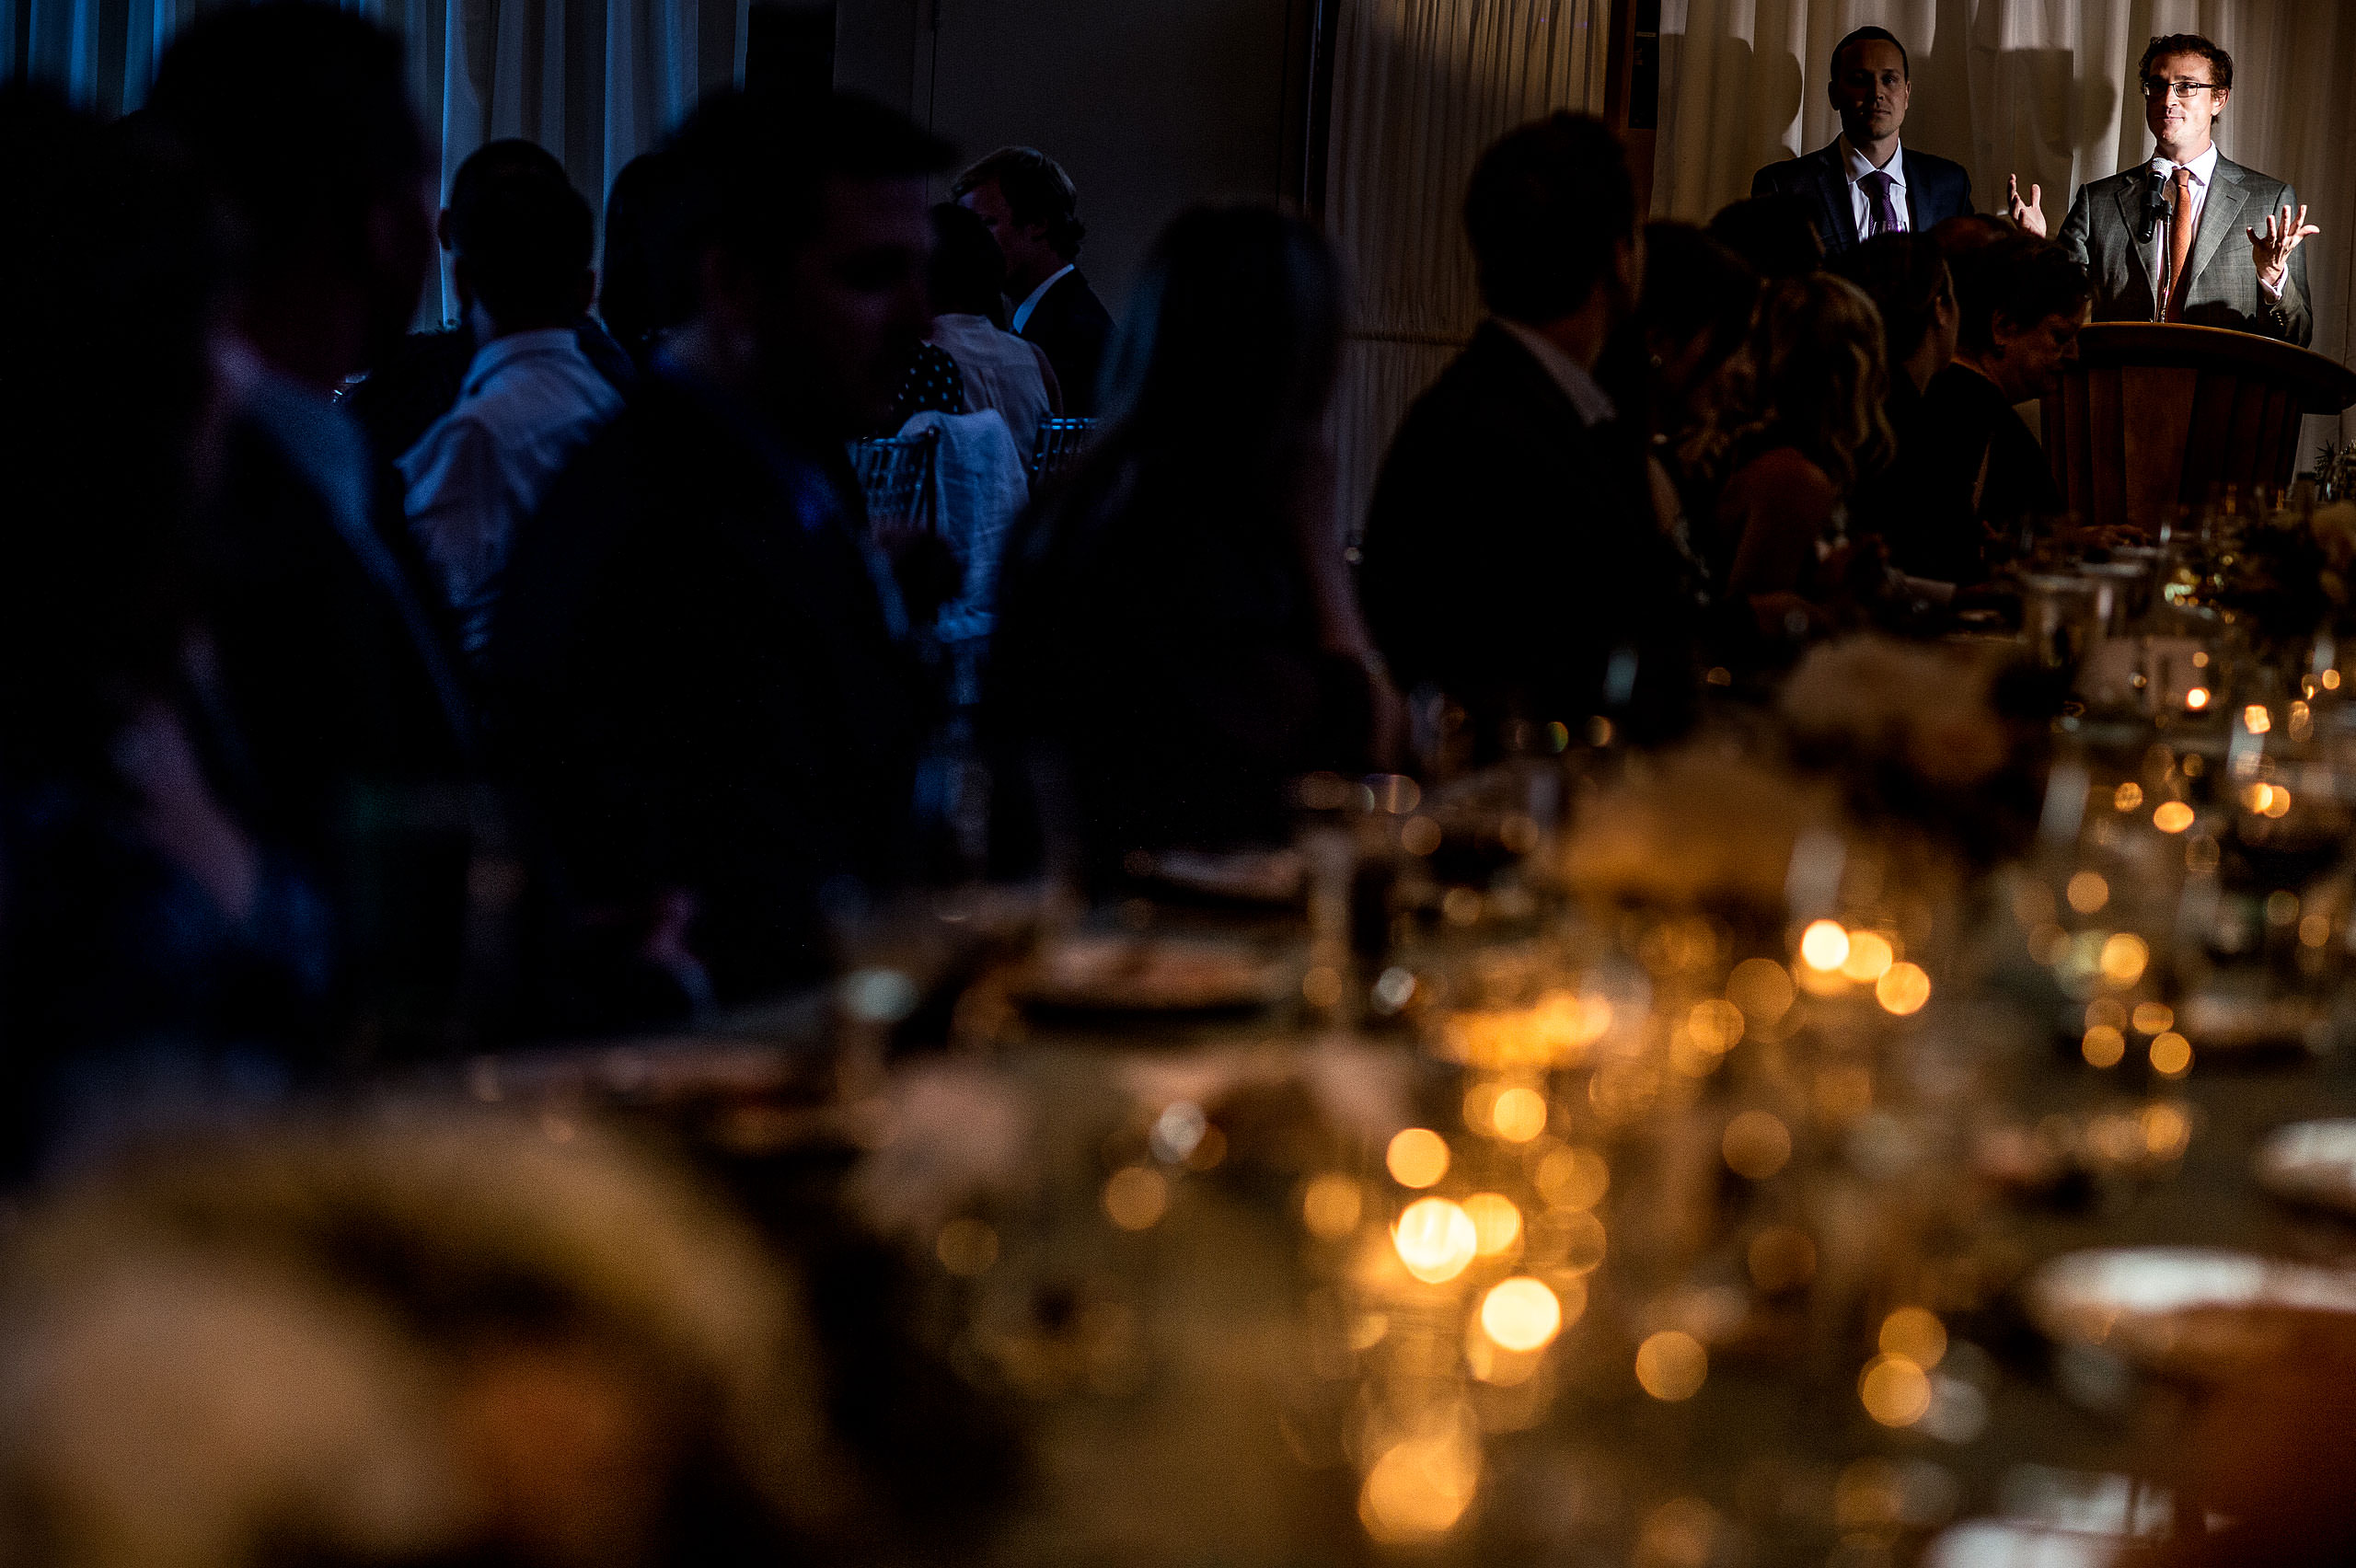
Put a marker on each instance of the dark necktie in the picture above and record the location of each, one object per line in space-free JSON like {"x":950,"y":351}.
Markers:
{"x":2180,"y":245}
{"x":1881,"y":217}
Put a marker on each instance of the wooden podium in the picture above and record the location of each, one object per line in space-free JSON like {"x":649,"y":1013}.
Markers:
{"x":2152,"y":414}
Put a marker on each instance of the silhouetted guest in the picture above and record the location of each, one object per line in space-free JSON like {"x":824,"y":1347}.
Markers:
{"x":701,"y":663}
{"x":416,"y":383}
{"x":1512,"y":556}
{"x":966,"y":276}
{"x":932,"y":384}
{"x":1814,"y":429}
{"x":1926,"y":524}
{"x":1679,"y":360}
{"x":330,"y":664}
{"x":1776,"y":234}
{"x":1972,"y":231}
{"x":647,"y":286}
{"x":151,"y":941}
{"x":531,"y":397}
{"x":1028,"y":204}
{"x":1178,"y":635}
{"x":2022,"y":301}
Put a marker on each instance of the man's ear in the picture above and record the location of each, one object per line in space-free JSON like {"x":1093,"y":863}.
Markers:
{"x":2223,"y":95}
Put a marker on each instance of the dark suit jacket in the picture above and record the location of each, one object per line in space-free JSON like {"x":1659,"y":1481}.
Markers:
{"x":1919,"y":504}
{"x":1073,"y":325}
{"x":1976,"y":446}
{"x":696,"y":682}
{"x":2100,"y":234}
{"x":1935,"y":191}
{"x":1511,"y":552}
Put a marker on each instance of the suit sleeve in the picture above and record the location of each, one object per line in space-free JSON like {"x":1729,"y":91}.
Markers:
{"x":2077,"y":230}
{"x":1762,"y":183}
{"x":1963,"y":206}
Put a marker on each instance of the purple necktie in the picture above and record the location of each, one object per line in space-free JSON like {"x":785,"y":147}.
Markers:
{"x":1884,"y":218}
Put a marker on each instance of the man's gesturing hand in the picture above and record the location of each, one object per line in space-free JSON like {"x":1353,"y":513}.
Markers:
{"x":2029,"y":214}
{"x":2272,"y":250}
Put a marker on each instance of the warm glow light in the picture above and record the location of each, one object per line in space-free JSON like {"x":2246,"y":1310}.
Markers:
{"x":1572,"y":1178}
{"x":1418,"y":1490}
{"x":1136,"y":1197}
{"x":1435,"y":1239}
{"x":2315,"y":930}
{"x":2172,"y":816}
{"x":2150,"y":1018}
{"x":1518,"y":1115}
{"x":1903,"y":989}
{"x":1761,"y":989}
{"x":1672,"y":1366}
{"x":1916,"y":1334}
{"x":1824,"y":945}
{"x":2103,"y":1046}
{"x":1417,"y":1157}
{"x":1497,"y":1224}
{"x":2124,"y":957}
{"x":2171,"y":1055}
{"x":2087,"y":892}
{"x":1895,"y":1391}
{"x":2330,"y":680}
{"x":1521,"y":1314}
{"x":2128,"y":796}
{"x":2166,"y":1131}
{"x":1756,"y":1145}
{"x":1717,"y":1026}
{"x":1870,"y":956}
{"x":2198,"y":698}
{"x":2256,"y":719}
{"x":1330,"y":1205}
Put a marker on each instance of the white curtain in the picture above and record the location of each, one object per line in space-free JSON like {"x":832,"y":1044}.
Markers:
{"x":1420,"y":88}
{"x":596,"y":82}
{"x":2038,"y":88}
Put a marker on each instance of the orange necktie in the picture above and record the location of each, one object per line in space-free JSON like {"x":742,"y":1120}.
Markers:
{"x":2179,"y":245}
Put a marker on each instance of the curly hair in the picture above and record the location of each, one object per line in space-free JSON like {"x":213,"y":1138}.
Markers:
{"x":1821,"y":376}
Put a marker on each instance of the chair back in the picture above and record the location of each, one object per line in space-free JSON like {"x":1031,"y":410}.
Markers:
{"x":1061,"y":440}
{"x":895,"y":475}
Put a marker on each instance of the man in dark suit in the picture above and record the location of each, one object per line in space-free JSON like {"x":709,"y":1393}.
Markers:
{"x":1512,"y":556}
{"x":1029,"y":205}
{"x":330,"y":668}
{"x":1866,"y":183}
{"x":2178,"y":239}
{"x":701,"y":673}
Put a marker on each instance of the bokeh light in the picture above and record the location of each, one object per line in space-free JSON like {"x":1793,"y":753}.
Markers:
{"x":1331,"y":1204}
{"x":2103,"y":1046}
{"x":1521,"y":1314}
{"x":2128,"y":796}
{"x":1903,"y":989}
{"x":1916,"y":1334}
{"x":1870,"y":956}
{"x":1136,"y":1197}
{"x":2124,"y":957}
{"x":1716,"y":1025}
{"x":1435,"y":1239}
{"x":2172,"y":816}
{"x":1417,"y":1157}
{"x":1518,"y":1115}
{"x":1497,"y":1222}
{"x":1572,"y":1178}
{"x":2171,"y":1055}
{"x":1894,"y":1391}
{"x":1762,"y":988}
{"x":1824,"y":946}
{"x":2087,"y":892}
{"x":2152,"y":1018}
{"x":1418,"y":1490}
{"x":1756,"y":1145}
{"x":1672,"y":1366}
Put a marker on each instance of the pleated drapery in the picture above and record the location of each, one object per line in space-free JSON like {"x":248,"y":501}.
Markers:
{"x":1420,"y":88}
{"x":2042,"y":88}
{"x":596,"y":82}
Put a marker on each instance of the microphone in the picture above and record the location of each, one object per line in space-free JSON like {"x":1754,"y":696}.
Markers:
{"x":2156,"y":202}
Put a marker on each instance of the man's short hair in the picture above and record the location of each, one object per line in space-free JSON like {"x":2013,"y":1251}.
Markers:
{"x":2221,"y":64}
{"x":297,"y":114}
{"x":1776,"y":233}
{"x":524,"y":240}
{"x":1547,"y":205}
{"x":1904,"y":274}
{"x":497,"y":160}
{"x":2023,"y":280}
{"x":1871,"y":35}
{"x":752,"y":166}
{"x":1038,"y":191}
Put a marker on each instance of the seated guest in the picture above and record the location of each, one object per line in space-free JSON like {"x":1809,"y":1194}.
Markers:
{"x":700,"y":666}
{"x":330,"y":664}
{"x":1513,"y":559}
{"x":644,"y":288}
{"x":153,"y":942}
{"x":1866,"y":183}
{"x":520,"y":247}
{"x":1002,"y":371}
{"x":2022,"y":303}
{"x":1028,"y":202}
{"x":1815,"y":427}
{"x":1178,"y":636}
{"x":1928,"y":526}
{"x":932,"y":384}
{"x":1776,"y":235}
{"x":418,"y":382}
{"x":1700,"y":300}
{"x":1972,"y":231}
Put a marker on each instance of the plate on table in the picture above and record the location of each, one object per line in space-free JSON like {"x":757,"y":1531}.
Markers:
{"x":2310,"y":1162}
{"x":1126,"y":974}
{"x":2202,"y":1310}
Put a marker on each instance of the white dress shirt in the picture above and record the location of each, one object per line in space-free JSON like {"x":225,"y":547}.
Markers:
{"x":528,"y":401}
{"x":2203,"y":170}
{"x":1856,"y":165}
{"x":1031,"y":301}
{"x":1002,"y":372}
{"x":1588,"y":398}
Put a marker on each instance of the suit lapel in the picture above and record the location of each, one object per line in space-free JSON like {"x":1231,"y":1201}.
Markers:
{"x":1915,"y":224}
{"x":1833,"y":201}
{"x":2131,"y":218}
{"x":2220,"y":216}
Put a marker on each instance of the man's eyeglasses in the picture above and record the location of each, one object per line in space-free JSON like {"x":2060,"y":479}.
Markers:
{"x":2154,"y":87}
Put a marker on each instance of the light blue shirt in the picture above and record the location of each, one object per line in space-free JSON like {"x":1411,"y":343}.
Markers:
{"x":529,"y":400}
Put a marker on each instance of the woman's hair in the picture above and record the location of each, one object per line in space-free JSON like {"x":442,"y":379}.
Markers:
{"x":1905,"y":276}
{"x":1693,"y":283}
{"x":967,"y":273}
{"x":1221,"y":374}
{"x":1820,"y":376}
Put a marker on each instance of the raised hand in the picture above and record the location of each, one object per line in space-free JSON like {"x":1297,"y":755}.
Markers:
{"x":2029,"y":214}
{"x":2272,"y":250}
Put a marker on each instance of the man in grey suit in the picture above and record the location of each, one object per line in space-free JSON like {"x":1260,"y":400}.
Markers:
{"x":2160,"y":240}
